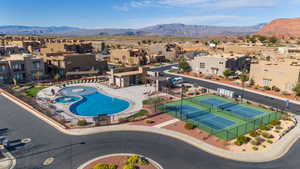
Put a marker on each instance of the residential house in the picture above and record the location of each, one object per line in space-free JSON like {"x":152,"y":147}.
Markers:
{"x":282,"y":73}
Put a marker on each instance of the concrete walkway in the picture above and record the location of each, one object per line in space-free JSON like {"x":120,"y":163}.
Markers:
{"x":166,"y":123}
{"x":8,"y":162}
{"x":237,"y":87}
{"x":276,"y":151}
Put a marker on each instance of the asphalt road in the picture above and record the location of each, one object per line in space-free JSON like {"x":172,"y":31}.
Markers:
{"x":71,"y":151}
{"x":276,"y":103}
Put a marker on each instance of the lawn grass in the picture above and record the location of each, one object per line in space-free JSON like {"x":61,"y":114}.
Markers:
{"x":141,"y":113}
{"x":32,"y":92}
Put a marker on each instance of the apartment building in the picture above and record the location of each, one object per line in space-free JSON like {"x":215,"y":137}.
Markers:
{"x":129,"y":57}
{"x":73,"y":65}
{"x":60,"y":47}
{"x":21,"y":68}
{"x":216,"y":64}
{"x":282,"y":73}
{"x":168,"y":51}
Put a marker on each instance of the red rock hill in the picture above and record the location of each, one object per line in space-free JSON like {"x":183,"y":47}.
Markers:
{"x":282,"y":28}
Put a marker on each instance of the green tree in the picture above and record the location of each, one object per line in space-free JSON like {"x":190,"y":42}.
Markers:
{"x":273,"y":39}
{"x":184,"y":66}
{"x":244,"y":78}
{"x":56,"y":77}
{"x":262,"y":38}
{"x":296,"y":89}
{"x":227,"y":73}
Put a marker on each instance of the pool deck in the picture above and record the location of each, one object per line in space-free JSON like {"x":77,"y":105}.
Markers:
{"x":134,"y":95}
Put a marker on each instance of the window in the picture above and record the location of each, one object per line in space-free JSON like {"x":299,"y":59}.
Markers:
{"x":2,"y":68}
{"x":1,"y":78}
{"x":202,"y":65}
{"x":36,"y":65}
{"x":19,"y":76}
{"x":266,"y":82}
{"x":221,"y":63}
{"x":17,"y":66}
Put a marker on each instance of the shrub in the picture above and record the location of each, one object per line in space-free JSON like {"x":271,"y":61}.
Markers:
{"x":242,"y":140}
{"x":255,"y":142}
{"x":129,"y":166}
{"x":189,"y":126}
{"x":123,"y":120}
{"x":253,"y":133}
{"x":270,"y":141}
{"x":278,"y":127}
{"x":267,"y":88}
{"x":275,"y":88}
{"x":267,"y":135}
{"x":264,"y":146}
{"x":82,"y":123}
{"x":149,"y":121}
{"x":105,"y":166}
{"x":263,"y":127}
{"x":144,"y":161}
{"x":133,"y":159}
{"x":254,"y":148}
{"x":275,"y":122}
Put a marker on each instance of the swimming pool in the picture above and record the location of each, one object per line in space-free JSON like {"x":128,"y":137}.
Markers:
{"x":67,"y":99}
{"x":93,"y":102}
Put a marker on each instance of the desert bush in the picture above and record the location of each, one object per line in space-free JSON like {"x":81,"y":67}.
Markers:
{"x":105,"y":166}
{"x":189,"y":126}
{"x":275,"y":122}
{"x":270,"y":141}
{"x":133,"y":159}
{"x":82,"y":123}
{"x":267,"y":88}
{"x":129,"y":166}
{"x":144,"y":161}
{"x":242,"y":140}
{"x":267,"y":135}
{"x":254,"y":148}
{"x":253,"y":133}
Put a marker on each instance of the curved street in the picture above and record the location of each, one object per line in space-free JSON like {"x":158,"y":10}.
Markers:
{"x":71,"y":151}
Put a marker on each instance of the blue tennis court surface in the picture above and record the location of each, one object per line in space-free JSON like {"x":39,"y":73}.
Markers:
{"x":233,"y":108}
{"x":205,"y":118}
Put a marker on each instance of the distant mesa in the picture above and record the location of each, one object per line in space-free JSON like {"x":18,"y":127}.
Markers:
{"x":282,"y":28}
{"x":164,"y":29}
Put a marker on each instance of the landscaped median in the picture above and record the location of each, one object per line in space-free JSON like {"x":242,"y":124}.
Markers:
{"x":121,"y":161}
{"x":275,"y":151}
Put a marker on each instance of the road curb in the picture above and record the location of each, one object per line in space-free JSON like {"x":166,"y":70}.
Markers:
{"x":158,"y":166}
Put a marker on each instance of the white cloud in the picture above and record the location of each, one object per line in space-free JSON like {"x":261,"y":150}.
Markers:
{"x":213,"y":4}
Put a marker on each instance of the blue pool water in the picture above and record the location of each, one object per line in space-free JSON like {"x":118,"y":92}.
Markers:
{"x":67,"y":99}
{"x":94,"y":103}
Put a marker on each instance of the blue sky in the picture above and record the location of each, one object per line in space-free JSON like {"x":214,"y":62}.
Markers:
{"x":140,"y":13}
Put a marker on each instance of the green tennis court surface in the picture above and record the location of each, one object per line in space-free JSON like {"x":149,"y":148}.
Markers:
{"x":218,"y":116}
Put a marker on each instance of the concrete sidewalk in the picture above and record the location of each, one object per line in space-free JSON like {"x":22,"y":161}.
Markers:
{"x":232,"y":86}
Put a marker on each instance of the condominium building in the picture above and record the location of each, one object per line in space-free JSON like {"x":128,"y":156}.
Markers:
{"x":283,"y":73}
{"x":129,"y":57}
{"x":71,"y":65}
{"x":218,"y":63}
{"x":21,"y":69}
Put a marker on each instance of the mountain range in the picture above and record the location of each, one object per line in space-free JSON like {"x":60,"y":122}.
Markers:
{"x":164,"y":29}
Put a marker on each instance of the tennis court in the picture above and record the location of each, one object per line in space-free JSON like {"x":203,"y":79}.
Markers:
{"x":208,"y":119}
{"x":219,"y":116}
{"x":234,"y":108}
